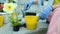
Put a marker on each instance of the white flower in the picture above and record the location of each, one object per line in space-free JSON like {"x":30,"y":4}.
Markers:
{"x":9,"y":7}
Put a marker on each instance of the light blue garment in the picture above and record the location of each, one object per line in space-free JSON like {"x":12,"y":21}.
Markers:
{"x":40,"y":2}
{"x":27,"y":5}
{"x":45,"y":12}
{"x":51,"y":2}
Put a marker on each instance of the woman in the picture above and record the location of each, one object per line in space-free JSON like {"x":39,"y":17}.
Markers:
{"x":54,"y":26}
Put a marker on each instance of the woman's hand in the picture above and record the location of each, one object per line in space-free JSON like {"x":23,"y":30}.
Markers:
{"x":45,"y":12}
{"x":56,"y":6}
{"x":52,"y":12}
{"x":35,"y":1}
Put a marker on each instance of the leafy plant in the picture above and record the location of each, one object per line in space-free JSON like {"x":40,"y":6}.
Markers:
{"x":14,"y":21}
{"x":1,"y":10}
{"x":10,"y":0}
{"x":1,"y":7}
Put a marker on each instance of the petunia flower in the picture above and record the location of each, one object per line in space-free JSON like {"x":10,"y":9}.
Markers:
{"x":9,"y":7}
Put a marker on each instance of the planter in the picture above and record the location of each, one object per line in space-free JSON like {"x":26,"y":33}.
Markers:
{"x":31,"y":20}
{"x":1,"y":20}
{"x":16,"y":28}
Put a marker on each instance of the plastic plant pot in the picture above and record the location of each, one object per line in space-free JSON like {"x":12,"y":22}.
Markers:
{"x":1,"y":20}
{"x":31,"y":22}
{"x":16,"y":28}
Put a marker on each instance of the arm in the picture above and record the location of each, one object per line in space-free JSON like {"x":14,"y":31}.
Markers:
{"x":56,"y":6}
{"x":45,"y":13}
{"x":52,"y":13}
{"x":35,"y":1}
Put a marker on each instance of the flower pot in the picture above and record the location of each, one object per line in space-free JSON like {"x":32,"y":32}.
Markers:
{"x":1,"y":20}
{"x":31,"y":22}
{"x":16,"y":28}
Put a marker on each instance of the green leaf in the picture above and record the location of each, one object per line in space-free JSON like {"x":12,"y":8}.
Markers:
{"x":10,"y":0}
{"x":14,"y":21}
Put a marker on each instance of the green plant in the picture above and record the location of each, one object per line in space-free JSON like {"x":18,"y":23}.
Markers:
{"x":14,"y":21}
{"x":1,"y":7}
{"x":10,"y":0}
{"x":1,"y":10}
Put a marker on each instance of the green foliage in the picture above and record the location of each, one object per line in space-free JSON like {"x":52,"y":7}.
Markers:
{"x":17,"y":14}
{"x":1,"y":10}
{"x":14,"y":21}
{"x":10,"y":0}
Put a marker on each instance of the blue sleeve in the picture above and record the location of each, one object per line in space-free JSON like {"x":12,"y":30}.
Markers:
{"x":45,"y":12}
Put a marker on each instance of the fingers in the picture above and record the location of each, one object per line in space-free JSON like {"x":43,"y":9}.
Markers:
{"x":56,"y":6}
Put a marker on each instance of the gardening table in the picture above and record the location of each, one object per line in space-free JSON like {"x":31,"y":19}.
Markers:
{"x":41,"y":29}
